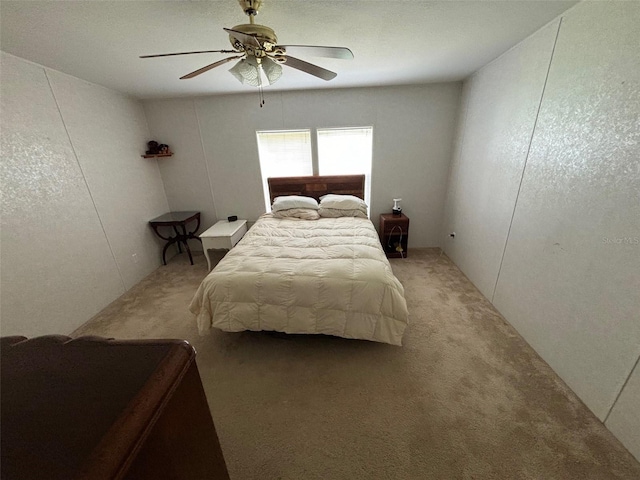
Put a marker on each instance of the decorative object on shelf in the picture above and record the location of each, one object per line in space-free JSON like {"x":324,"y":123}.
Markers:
{"x":397,"y":209}
{"x":155,"y":149}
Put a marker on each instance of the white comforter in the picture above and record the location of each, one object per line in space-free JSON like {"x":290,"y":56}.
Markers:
{"x":325,"y":276}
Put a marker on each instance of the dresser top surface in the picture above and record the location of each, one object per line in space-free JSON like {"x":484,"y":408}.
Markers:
{"x":62,"y":398}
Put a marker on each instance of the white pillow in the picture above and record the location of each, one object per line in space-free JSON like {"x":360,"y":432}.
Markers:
{"x":299,"y":213}
{"x":339,"y":212}
{"x":342,"y":202}
{"x":293,"y":201}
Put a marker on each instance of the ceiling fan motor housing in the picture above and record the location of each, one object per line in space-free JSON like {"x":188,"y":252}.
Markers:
{"x":264,"y":35}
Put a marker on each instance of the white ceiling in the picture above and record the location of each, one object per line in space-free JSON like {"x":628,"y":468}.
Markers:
{"x":395,"y":42}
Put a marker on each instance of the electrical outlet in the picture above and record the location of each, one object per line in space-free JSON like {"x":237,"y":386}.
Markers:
{"x":135,"y":258}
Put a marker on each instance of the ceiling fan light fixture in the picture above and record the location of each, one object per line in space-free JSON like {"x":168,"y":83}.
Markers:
{"x":247,"y":72}
{"x":271,"y":69}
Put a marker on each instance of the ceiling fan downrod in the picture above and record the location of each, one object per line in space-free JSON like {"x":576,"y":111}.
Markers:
{"x":250,"y":7}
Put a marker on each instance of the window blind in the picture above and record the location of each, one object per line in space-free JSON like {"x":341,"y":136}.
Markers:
{"x":285,"y":153}
{"x":346,"y":151}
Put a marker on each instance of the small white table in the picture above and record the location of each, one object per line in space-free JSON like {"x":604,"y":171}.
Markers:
{"x":224,"y":234}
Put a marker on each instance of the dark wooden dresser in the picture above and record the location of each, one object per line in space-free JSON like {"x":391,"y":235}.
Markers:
{"x":93,"y":408}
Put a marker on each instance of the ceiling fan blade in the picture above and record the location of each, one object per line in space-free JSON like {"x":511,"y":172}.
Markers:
{"x":209,"y":67}
{"x":310,"y":68}
{"x":243,"y":37}
{"x":318,"y":51}
{"x":187,"y":53}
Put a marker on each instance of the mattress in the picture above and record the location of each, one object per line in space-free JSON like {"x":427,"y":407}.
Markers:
{"x":328,"y":276}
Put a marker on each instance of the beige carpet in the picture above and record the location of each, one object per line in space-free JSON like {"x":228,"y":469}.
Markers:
{"x":464,"y":398}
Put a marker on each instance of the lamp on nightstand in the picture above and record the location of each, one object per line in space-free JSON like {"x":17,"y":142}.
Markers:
{"x":397,"y":209}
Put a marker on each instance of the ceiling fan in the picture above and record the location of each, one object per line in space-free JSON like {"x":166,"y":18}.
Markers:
{"x":256,"y":47}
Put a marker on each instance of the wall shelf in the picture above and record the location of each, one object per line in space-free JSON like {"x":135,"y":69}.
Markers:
{"x":158,"y":155}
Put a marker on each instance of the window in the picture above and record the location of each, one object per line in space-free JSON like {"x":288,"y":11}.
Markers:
{"x":284,"y":154}
{"x":346,"y":151}
{"x":340,"y":151}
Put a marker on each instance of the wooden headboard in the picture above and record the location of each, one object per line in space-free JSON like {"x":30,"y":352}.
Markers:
{"x":316,"y":186}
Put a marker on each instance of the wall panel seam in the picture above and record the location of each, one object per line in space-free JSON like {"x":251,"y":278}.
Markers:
{"x":613,"y":404}
{"x":164,"y":187}
{"x":204,"y":159}
{"x":84,"y":179}
{"x":526,"y":159}
{"x":456,"y":155}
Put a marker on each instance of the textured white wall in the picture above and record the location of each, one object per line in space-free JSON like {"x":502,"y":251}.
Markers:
{"x":569,"y":280}
{"x":578,"y":303}
{"x":413,"y":133}
{"x":185,"y":175}
{"x":499,"y":107}
{"x":76,"y":198}
{"x":108,"y":132}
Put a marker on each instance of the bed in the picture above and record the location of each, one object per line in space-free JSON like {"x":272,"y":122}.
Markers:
{"x":327,"y":276}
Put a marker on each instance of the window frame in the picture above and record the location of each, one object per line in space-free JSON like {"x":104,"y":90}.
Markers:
{"x":265,"y":186}
{"x":315,"y":156}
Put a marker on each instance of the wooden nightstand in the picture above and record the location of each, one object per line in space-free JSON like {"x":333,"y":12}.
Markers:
{"x":394,"y":234}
